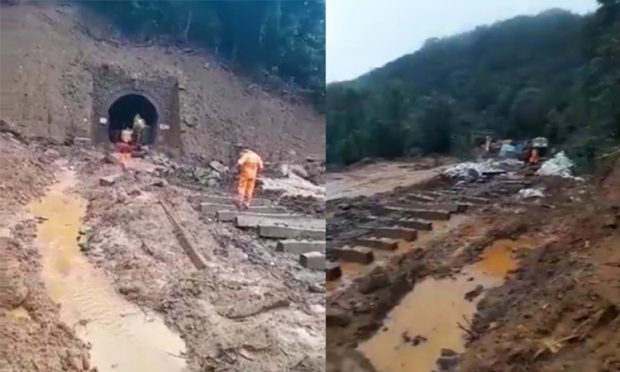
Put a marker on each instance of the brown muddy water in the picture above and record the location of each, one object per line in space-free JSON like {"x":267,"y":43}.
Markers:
{"x":428,"y":319}
{"x":123,"y":338}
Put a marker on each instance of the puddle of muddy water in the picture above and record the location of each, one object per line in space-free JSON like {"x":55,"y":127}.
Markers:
{"x":432,"y":313}
{"x":123,"y":338}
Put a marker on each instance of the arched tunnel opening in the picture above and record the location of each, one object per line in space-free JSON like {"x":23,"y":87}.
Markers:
{"x":122,"y":112}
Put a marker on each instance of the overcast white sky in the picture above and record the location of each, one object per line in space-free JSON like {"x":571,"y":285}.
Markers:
{"x":364,"y":34}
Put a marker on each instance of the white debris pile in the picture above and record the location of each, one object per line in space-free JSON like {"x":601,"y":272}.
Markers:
{"x":531,"y":193}
{"x":293,"y":185}
{"x":510,"y":162}
{"x":560,"y":165}
{"x":470,"y":171}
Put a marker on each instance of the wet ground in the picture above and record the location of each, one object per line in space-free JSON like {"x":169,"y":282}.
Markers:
{"x":435,"y":315}
{"x":352,"y":270}
{"x":366,"y":180}
{"x":97,"y":278}
{"x":513,"y":287}
{"x":123,"y":337}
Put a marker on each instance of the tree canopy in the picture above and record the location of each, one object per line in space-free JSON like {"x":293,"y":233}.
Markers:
{"x":270,"y":38}
{"x":556,"y":75}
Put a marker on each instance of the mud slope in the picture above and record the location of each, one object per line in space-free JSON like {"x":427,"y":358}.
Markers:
{"x":561,"y":309}
{"x":51,"y":67}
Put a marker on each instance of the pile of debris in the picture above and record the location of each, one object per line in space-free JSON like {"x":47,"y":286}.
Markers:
{"x":560,"y":165}
{"x":213,"y":175}
{"x":472,"y":171}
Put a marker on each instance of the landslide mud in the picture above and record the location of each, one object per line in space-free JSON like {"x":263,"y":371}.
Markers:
{"x":251,"y":309}
{"x":437,"y":312}
{"x":33,"y":336}
{"x":123,"y":337}
{"x":556,"y":308}
{"x":227,"y":313}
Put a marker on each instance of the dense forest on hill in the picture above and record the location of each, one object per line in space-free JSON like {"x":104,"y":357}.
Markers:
{"x":555,"y":74}
{"x":279,"y":41}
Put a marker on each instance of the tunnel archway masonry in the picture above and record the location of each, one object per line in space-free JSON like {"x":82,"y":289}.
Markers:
{"x":118,"y":96}
{"x":122,"y":112}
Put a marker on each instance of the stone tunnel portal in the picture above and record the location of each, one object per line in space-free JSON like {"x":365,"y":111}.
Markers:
{"x":122,"y":112}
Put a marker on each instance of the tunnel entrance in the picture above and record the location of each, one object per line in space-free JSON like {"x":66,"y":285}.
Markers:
{"x":122,"y":112}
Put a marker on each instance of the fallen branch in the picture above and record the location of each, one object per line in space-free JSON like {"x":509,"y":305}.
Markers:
{"x":577,"y":333}
{"x":175,"y":355}
{"x":617,"y":151}
{"x":473,"y":335}
{"x":469,"y":324}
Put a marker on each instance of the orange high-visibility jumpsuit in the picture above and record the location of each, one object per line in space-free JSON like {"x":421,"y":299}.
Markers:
{"x":124,"y":149}
{"x":534,"y":158}
{"x":249,"y":165}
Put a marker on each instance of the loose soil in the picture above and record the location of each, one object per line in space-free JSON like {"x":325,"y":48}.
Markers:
{"x":555,"y":307}
{"x":33,"y":336}
{"x":54,"y":55}
{"x":252,"y":308}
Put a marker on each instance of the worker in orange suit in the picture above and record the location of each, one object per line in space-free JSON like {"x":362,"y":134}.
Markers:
{"x":124,"y":148}
{"x":249,"y":165}
{"x":534,"y":158}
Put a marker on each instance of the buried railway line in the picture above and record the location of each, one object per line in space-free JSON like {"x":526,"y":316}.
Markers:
{"x":444,"y":274}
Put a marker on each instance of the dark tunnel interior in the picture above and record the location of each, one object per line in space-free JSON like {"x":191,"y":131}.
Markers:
{"x":123,"y":111}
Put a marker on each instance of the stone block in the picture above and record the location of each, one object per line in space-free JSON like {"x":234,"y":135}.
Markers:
{"x":332,"y":270}
{"x":312,"y":260}
{"x":395,"y":233}
{"x":284,"y":232}
{"x":231,"y":215}
{"x":109,"y":180}
{"x":363,"y":255}
{"x":378,"y":243}
{"x":300,"y":246}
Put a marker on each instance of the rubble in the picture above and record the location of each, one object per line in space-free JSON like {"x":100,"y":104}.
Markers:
{"x":293,"y":185}
{"x":556,"y":240}
{"x":471,"y":171}
{"x":109,"y":180}
{"x":531,"y":193}
{"x":193,"y":274}
{"x":560,"y":165}
{"x":218,"y":167}
{"x":299,"y":170}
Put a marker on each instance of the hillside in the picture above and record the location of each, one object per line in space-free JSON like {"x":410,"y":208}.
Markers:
{"x":552,"y":74}
{"x":280,"y":43}
{"x":62,"y":67}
